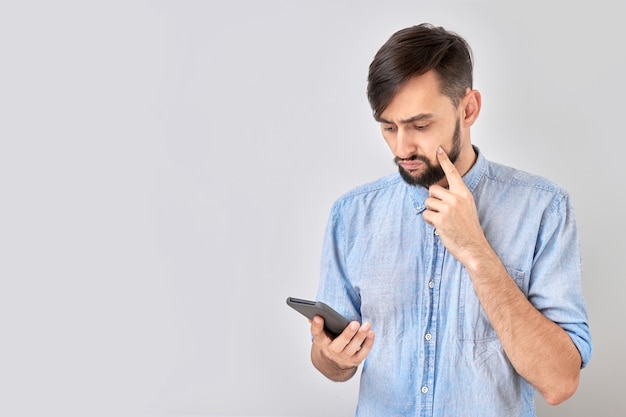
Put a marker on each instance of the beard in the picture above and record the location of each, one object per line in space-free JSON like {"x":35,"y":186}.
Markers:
{"x":431,"y":174}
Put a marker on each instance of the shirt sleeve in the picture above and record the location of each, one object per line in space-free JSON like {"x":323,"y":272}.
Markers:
{"x":556,"y":283}
{"x":335,"y":288}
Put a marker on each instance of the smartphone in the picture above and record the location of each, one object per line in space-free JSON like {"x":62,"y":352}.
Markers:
{"x":334,"y":322}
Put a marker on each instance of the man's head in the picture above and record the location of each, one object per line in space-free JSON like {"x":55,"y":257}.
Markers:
{"x":420,"y":90}
{"x":415,"y":51}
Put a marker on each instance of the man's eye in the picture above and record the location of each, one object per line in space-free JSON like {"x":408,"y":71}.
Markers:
{"x":388,"y":128}
{"x":420,"y":127}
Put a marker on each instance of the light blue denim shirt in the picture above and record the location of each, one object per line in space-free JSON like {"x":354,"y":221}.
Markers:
{"x":436,"y":353}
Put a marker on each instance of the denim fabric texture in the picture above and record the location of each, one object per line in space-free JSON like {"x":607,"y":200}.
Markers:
{"x":436,"y":353}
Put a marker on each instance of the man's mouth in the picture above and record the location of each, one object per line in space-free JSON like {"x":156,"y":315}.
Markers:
{"x":411,"y":165}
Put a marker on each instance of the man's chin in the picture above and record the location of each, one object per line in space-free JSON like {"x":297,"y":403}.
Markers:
{"x":411,"y":178}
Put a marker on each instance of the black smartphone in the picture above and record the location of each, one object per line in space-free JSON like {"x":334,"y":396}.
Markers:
{"x":334,"y":322}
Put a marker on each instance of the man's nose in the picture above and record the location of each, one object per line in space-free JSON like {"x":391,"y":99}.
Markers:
{"x":405,"y":145}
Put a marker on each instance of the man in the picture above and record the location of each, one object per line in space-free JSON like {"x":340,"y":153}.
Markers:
{"x":464,"y":273}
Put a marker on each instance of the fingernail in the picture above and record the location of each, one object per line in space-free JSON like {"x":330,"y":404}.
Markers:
{"x":440,"y":150}
{"x":365,"y":326}
{"x":354,"y":325}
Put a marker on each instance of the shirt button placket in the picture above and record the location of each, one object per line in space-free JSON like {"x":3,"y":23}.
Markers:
{"x":429,"y":337}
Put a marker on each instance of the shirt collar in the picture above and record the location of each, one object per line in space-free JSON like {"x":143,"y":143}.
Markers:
{"x":471,"y":179}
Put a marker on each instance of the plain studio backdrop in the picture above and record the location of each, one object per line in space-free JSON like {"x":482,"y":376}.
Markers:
{"x":167,"y":169}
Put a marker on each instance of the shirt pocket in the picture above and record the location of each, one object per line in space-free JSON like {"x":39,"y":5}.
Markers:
{"x":474,"y":326}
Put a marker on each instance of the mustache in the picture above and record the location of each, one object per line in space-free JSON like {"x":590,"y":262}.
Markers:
{"x":414,"y":157}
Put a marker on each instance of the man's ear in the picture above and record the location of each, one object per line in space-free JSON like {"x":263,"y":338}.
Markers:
{"x":471,"y":107}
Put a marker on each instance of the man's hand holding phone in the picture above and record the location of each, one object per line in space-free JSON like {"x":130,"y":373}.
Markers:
{"x":340,"y":357}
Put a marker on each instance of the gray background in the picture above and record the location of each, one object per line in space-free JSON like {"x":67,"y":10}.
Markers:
{"x":167,"y":169}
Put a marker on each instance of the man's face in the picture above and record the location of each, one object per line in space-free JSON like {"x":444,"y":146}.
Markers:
{"x":418,"y":120}
{"x":431,"y":173}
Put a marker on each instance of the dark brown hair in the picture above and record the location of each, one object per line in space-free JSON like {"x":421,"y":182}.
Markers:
{"x":414,"y":51}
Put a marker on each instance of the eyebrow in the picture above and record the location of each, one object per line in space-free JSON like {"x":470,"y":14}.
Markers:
{"x":416,"y":118}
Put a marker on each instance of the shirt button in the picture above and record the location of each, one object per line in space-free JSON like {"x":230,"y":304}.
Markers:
{"x":428,"y":336}
{"x":436,"y":232}
{"x":424,"y":390}
{"x":431,"y":284}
